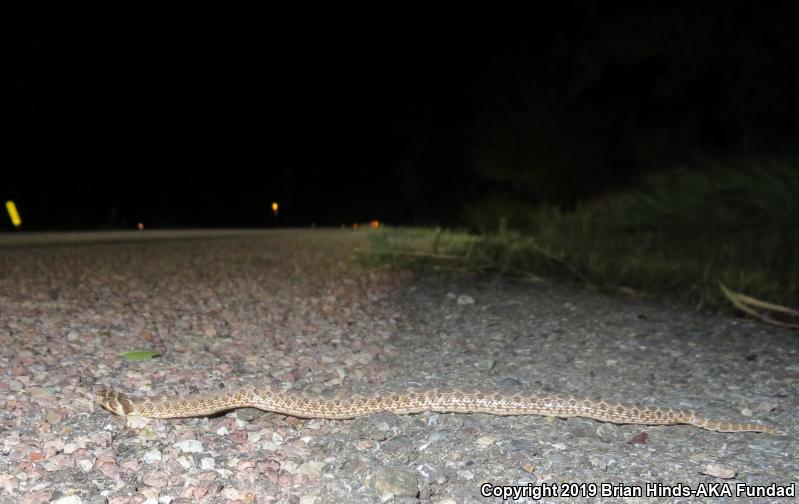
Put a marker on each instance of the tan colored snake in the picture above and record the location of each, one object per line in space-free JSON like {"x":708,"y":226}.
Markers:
{"x":413,"y":401}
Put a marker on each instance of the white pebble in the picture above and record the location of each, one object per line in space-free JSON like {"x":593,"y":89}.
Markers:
{"x":184,"y":462}
{"x":189,"y":446}
{"x":465,"y":300}
{"x":151,"y":456}
{"x":289,"y":466}
{"x":311,"y":468}
{"x":69,"y":499}
{"x":719,"y":471}
{"x":137,"y":422}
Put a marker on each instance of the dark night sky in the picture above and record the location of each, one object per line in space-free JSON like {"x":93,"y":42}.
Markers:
{"x":203,"y":114}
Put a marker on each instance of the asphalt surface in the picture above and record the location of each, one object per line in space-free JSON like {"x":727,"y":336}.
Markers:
{"x":295,"y":309}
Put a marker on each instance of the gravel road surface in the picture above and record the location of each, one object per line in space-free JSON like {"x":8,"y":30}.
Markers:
{"x":291,"y":308}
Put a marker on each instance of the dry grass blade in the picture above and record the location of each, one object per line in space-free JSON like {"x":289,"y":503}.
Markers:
{"x":746,"y":303}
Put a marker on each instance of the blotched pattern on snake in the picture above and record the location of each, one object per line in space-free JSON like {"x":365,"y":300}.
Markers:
{"x":413,"y":401}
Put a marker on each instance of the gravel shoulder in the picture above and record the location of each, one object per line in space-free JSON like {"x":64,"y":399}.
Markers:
{"x":292,"y":308}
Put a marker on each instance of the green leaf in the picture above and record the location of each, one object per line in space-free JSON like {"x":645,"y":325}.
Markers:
{"x":139,"y":355}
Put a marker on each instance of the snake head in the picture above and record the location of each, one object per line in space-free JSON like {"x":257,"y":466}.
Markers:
{"x":113,"y":401}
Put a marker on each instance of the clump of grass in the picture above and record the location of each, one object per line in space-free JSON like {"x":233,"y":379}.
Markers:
{"x":690,"y":229}
{"x":678,"y":234}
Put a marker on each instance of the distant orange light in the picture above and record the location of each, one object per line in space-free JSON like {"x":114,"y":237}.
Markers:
{"x":374,"y":224}
{"x":355,"y":225}
{"x":140,"y":226}
{"x":274,"y":207}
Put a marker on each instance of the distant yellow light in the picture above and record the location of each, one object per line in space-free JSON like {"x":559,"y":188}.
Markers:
{"x":374,"y":224}
{"x":13,"y":214}
{"x":274,"y":207}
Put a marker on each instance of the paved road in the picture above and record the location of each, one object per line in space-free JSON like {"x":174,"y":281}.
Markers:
{"x":291,"y":308}
{"x":32,"y":239}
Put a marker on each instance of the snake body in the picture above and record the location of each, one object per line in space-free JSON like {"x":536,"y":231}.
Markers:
{"x":413,"y":401}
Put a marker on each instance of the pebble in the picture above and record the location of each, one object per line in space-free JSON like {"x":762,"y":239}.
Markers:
{"x":110,"y":469}
{"x":396,"y":444}
{"x":85,"y":465}
{"x":249,"y":414}
{"x":40,"y":497}
{"x":510,"y":384}
{"x":719,"y":471}
{"x":130,"y":465}
{"x":151,"y":456}
{"x":465,"y":300}
{"x":232,"y":494}
{"x":53,"y":416}
{"x":206,"y":489}
{"x":312,"y":468}
{"x":433,"y":419}
{"x":8,"y":483}
{"x":521,"y":445}
{"x":767,"y":406}
{"x":598,"y":463}
{"x":289,"y":466}
{"x":485,"y":364}
{"x":189,"y":446}
{"x":137,"y":422}
{"x":392,"y":482}
{"x":157,"y":479}
{"x":185,"y":462}
{"x":40,"y":392}
{"x":69,"y":499}
{"x":59,"y":462}
{"x":466,"y":474}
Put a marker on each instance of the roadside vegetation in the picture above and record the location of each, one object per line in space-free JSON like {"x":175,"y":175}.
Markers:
{"x":678,"y":234}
